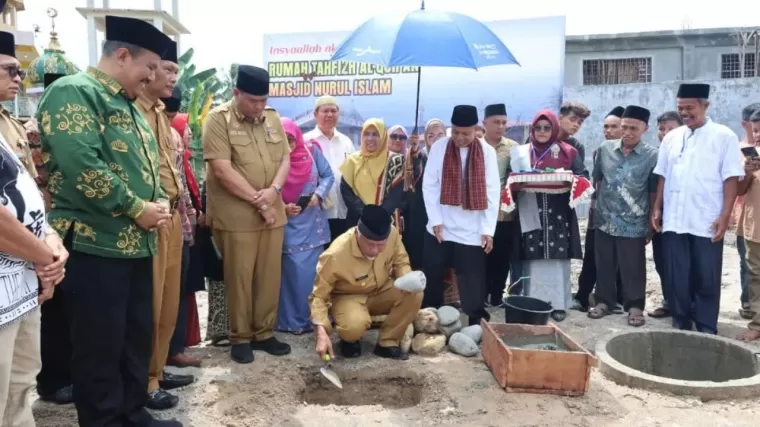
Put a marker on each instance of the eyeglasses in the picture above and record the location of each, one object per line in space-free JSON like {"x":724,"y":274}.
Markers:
{"x":397,"y":137}
{"x":544,"y":128}
{"x":14,"y":71}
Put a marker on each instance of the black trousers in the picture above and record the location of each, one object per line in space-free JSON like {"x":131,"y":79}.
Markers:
{"x":337,"y":227}
{"x":587,"y":278}
{"x":506,"y":245}
{"x":693,"y":269}
{"x":621,"y":258}
{"x":179,"y":338}
{"x":109,"y":303}
{"x":469,"y":262}
{"x":55,"y":346}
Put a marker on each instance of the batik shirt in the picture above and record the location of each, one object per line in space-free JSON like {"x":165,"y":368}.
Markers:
{"x":187,"y":214}
{"x":102,"y":162}
{"x":624,"y":184}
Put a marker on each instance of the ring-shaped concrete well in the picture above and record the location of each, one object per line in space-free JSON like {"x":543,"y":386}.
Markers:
{"x":682,"y":363}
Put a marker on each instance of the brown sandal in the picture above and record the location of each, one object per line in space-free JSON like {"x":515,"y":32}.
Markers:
{"x":598,"y":311}
{"x":636,"y":318}
{"x":660,"y":313}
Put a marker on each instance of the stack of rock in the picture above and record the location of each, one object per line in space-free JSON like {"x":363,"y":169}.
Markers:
{"x":432,"y":329}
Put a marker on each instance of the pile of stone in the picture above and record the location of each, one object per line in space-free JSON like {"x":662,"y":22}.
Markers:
{"x":432,"y":330}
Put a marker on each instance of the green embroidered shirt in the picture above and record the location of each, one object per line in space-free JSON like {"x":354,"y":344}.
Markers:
{"x":102,"y":161}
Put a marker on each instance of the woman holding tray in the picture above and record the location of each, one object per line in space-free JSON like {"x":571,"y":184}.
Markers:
{"x":549,"y":226}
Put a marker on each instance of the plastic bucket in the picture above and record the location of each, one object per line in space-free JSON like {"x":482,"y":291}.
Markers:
{"x":526,"y":310}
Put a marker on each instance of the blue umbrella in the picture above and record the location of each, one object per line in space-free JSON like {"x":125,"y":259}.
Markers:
{"x":424,"y":38}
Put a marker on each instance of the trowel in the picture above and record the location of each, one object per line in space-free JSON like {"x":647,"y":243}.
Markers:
{"x":328,"y":373}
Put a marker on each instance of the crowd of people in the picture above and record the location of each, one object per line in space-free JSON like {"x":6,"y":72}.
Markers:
{"x":108,"y":231}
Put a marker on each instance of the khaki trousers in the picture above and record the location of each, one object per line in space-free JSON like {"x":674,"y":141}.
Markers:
{"x":19,"y":365}
{"x":252,"y":271}
{"x":753,"y":265}
{"x":167,"y":270}
{"x":352,"y":314}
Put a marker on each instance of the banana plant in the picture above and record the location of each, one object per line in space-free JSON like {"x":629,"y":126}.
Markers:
{"x":198,"y":91}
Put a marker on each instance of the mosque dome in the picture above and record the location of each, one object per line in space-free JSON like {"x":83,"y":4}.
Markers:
{"x":52,"y":60}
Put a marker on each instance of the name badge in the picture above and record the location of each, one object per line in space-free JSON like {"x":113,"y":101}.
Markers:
{"x":238,"y":133}
{"x":364,"y":277}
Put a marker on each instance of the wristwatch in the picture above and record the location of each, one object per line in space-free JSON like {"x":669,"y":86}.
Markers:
{"x":277,"y":188}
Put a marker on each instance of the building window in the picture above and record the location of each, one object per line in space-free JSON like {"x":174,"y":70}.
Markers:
{"x":730,"y":66}
{"x":617,"y":71}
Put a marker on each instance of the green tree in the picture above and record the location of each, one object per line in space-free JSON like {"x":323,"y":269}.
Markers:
{"x":227,"y":79}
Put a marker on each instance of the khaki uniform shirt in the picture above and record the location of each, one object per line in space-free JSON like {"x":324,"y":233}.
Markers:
{"x":503,"y":149}
{"x":15,"y":135}
{"x":255,"y":149}
{"x":343,"y":270}
{"x":157,"y":120}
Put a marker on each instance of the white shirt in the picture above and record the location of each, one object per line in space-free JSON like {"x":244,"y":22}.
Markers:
{"x":20,"y":195}
{"x":335,"y":150}
{"x":459,"y":225}
{"x":695,"y":164}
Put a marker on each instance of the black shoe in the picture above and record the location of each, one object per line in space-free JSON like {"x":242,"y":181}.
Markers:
{"x":394,"y":353}
{"x":161,"y":400}
{"x":165,"y":423}
{"x":350,"y":349}
{"x":172,"y":381}
{"x":241,"y":353}
{"x":271,"y":346}
{"x":63,"y":396}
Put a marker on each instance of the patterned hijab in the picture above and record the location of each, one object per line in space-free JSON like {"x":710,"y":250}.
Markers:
{"x":365,"y":185}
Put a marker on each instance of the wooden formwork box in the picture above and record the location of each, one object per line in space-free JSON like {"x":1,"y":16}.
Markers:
{"x":519,"y":370}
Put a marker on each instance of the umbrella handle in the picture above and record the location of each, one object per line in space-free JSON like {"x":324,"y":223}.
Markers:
{"x":417,"y":108}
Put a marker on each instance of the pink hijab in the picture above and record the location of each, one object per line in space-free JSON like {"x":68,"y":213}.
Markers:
{"x":300,"y":162}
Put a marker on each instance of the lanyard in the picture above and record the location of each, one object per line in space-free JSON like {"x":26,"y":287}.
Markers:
{"x":533,"y":147}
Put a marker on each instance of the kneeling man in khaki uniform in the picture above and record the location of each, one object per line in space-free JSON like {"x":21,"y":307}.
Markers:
{"x":355,"y":280}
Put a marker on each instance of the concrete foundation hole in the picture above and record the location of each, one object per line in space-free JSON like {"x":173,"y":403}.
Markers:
{"x":390,"y":389}
{"x":686,"y":357}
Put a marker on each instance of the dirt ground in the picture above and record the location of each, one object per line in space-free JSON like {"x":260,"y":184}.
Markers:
{"x":444,"y":390}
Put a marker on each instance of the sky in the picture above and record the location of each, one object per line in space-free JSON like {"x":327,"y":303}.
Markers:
{"x":232,"y":31}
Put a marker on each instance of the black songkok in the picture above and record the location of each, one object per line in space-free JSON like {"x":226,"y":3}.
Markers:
{"x":375,"y":223}
{"x":171,"y":53}
{"x":136,"y":32}
{"x":173,"y":102}
{"x":464,"y":116}
{"x":693,"y":90}
{"x":49,"y":78}
{"x":636,"y":112}
{"x":617,"y":112}
{"x":495,"y":110}
{"x":253,"y":80}
{"x":7,"y":44}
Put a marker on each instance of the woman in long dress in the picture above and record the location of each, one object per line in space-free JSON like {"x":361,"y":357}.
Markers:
{"x":307,"y":230}
{"x":373,"y":175}
{"x":553,"y":238}
{"x":218,"y":320}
